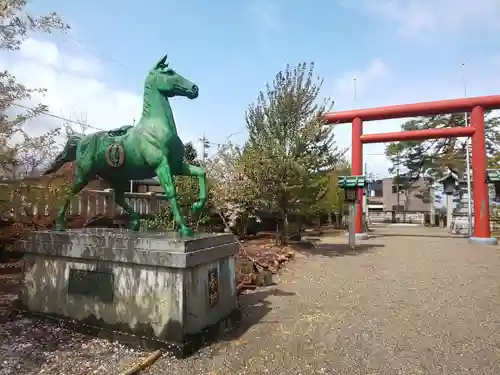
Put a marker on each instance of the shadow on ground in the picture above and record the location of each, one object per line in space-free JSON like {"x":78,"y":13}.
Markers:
{"x":335,"y":250}
{"x":28,"y":343}
{"x":254,"y":307}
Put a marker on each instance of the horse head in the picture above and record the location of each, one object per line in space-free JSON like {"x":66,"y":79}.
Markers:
{"x":169,"y":83}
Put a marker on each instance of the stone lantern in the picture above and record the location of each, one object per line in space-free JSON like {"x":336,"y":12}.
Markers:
{"x":493,"y":177}
{"x":450,"y":182}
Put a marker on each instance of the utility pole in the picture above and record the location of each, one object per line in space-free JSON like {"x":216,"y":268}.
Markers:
{"x":355,"y":89}
{"x":203,"y":143}
{"x":397,"y":189}
{"x":132,"y":181}
{"x":467,"y":156}
{"x":204,"y":146}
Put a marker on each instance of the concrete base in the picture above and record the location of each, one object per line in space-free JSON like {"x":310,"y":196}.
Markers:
{"x":460,"y":225}
{"x":483,"y":241}
{"x":156,"y":286}
{"x":359,"y":236}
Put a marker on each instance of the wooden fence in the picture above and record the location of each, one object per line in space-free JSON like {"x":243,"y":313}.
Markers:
{"x":32,"y":201}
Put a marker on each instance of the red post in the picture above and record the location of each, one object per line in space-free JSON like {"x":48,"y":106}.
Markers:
{"x":357,"y":169}
{"x":480,"y":188}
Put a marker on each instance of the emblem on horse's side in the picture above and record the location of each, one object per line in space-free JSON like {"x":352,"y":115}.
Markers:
{"x":115,"y":156}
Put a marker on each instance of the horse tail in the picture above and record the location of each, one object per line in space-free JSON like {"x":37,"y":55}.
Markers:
{"x":67,"y":155}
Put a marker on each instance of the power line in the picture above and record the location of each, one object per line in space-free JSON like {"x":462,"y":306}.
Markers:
{"x":101,"y":56}
{"x":46,"y":113}
{"x":205,"y":140}
{"x":98,"y":55}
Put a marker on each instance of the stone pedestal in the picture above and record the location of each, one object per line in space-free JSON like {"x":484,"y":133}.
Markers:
{"x":159,"y":287}
{"x":460,"y":220}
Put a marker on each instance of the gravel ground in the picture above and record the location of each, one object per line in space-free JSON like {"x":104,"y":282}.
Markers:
{"x":30,"y":346}
{"x":398,"y":305}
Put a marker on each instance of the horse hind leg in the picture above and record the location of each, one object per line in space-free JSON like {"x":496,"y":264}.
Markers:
{"x":135,"y":220}
{"x":81,"y":180}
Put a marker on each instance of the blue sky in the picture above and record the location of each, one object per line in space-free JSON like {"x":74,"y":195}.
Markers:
{"x":399,"y":51}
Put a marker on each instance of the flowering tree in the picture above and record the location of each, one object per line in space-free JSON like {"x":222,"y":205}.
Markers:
{"x":232,"y":193}
{"x":21,"y":153}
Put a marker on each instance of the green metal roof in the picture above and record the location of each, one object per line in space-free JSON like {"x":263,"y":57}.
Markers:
{"x":493,"y":175}
{"x":351,"y":182}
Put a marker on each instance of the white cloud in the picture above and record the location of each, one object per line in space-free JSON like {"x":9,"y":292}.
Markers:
{"x":82,"y":65}
{"x":48,"y":54}
{"x":45,"y":53}
{"x":380,"y":84}
{"x":375,"y":162}
{"x":377,"y":86}
{"x":367,"y":79}
{"x":373,"y":154}
{"x":431,"y":18}
{"x":75,"y":88}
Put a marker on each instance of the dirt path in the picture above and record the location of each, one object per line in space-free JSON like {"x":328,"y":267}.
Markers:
{"x":400,"y":305}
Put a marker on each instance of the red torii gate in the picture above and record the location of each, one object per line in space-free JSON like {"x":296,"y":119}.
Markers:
{"x":476,"y":106}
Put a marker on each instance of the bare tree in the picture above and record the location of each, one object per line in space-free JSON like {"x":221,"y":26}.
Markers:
{"x":77,"y":121}
{"x":21,"y":153}
{"x":28,"y":156}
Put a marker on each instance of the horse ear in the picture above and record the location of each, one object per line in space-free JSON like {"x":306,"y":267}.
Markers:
{"x":161,"y":62}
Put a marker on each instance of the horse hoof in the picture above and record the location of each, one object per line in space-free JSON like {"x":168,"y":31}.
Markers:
{"x":135,"y":226}
{"x":60,"y":227}
{"x":198,"y":206}
{"x":186,"y":232}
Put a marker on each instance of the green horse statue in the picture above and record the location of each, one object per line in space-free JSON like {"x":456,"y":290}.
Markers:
{"x":150,"y":148}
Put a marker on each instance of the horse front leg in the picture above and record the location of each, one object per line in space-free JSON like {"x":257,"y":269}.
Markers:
{"x":195,"y":171}
{"x":167,"y":180}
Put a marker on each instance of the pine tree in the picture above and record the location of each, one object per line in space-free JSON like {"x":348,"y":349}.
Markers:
{"x":289,"y":147}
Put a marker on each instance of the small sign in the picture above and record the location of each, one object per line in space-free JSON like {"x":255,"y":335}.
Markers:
{"x":213,"y":287}
{"x":115,"y":155}
{"x":350,"y":195}
{"x":96,"y":284}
